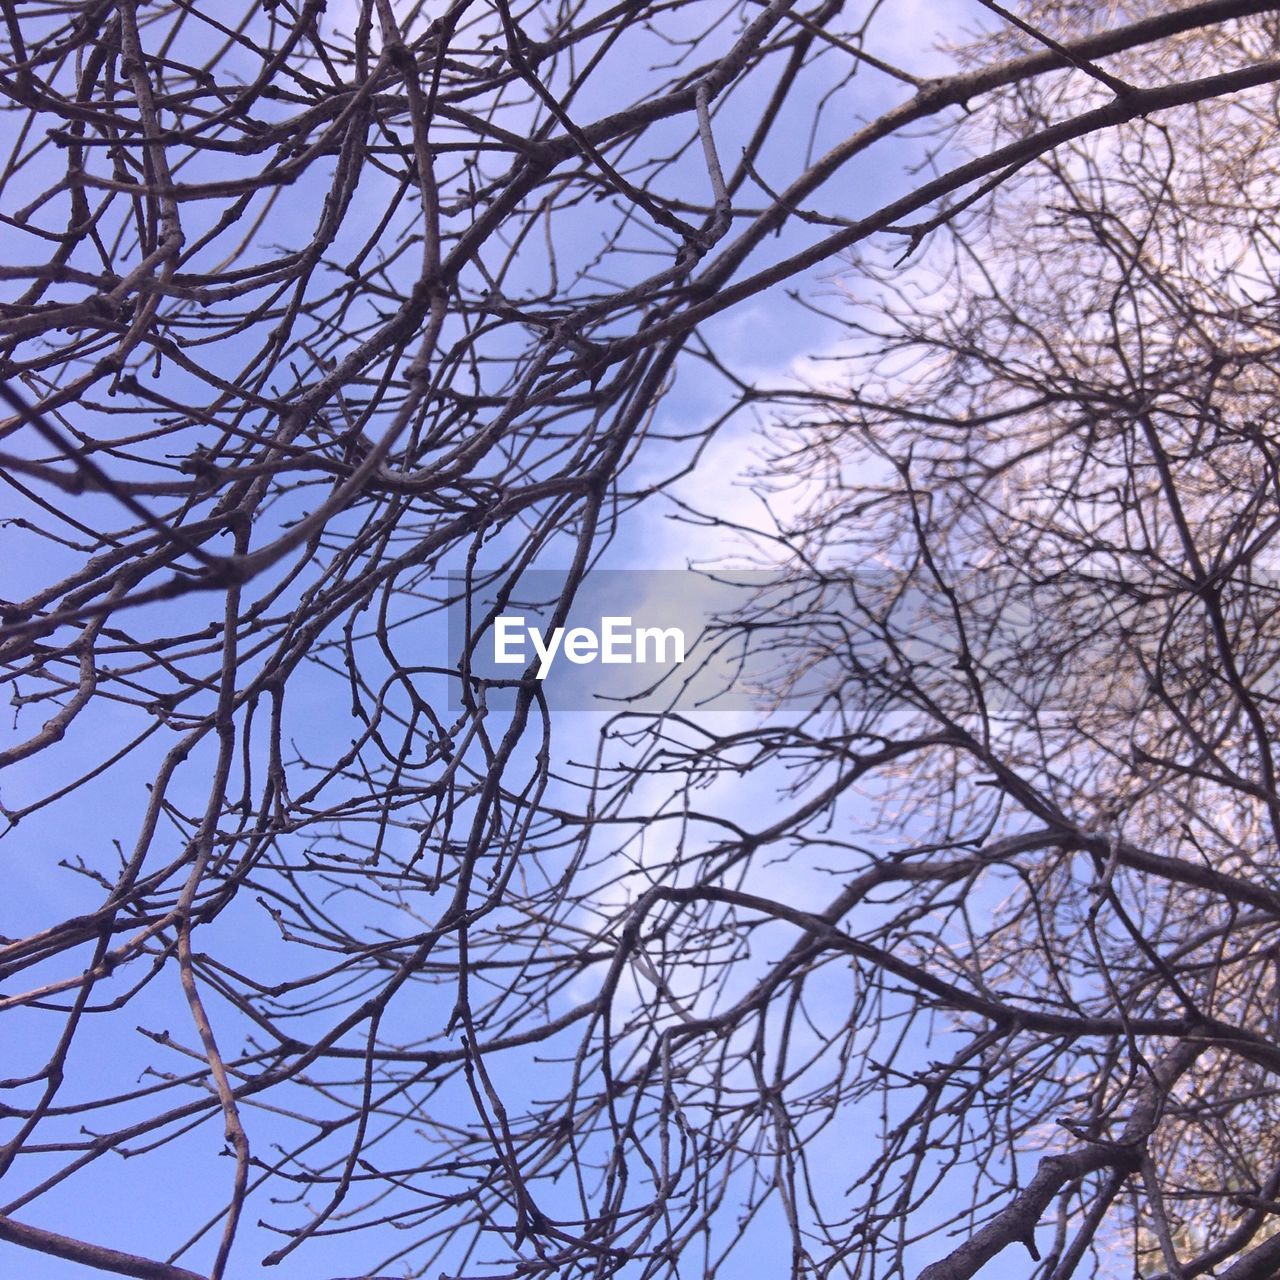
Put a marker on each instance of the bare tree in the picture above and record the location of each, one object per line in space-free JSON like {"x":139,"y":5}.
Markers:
{"x":1058,"y":447}
{"x":307,"y":310}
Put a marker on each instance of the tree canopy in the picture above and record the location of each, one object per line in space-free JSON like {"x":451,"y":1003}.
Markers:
{"x":321,"y":322}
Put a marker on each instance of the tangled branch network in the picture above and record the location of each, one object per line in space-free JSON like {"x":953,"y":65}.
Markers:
{"x":319,"y":321}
